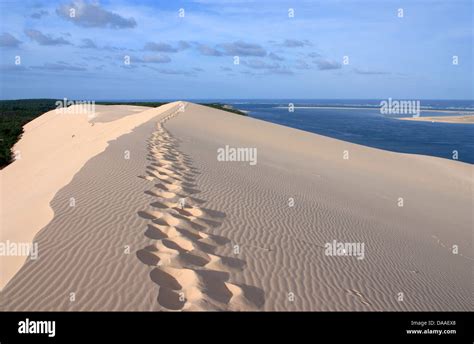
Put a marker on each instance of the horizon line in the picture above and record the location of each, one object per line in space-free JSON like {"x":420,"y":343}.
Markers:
{"x":217,"y":99}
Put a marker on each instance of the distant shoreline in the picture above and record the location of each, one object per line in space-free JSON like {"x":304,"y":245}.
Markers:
{"x":469,"y":119}
{"x":471,"y":112}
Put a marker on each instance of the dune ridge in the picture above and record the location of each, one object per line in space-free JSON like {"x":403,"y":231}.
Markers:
{"x":189,"y":274}
{"x":53,"y":148}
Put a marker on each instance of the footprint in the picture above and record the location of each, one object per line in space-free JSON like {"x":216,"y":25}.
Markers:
{"x":148,"y":255}
{"x":171,"y":299}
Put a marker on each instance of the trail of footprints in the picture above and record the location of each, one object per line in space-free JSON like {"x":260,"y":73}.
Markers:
{"x":190,"y":275}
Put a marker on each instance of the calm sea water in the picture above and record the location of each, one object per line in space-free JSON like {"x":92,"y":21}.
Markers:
{"x":360,"y":121}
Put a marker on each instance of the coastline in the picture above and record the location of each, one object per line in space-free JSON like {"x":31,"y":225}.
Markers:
{"x":373,"y":108}
{"x":467,"y":119}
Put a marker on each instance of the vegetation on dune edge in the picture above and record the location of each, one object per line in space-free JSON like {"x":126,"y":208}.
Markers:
{"x":225,"y":107}
{"x":219,"y":106}
{"x":14,"y":114}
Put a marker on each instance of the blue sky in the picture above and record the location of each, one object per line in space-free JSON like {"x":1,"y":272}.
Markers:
{"x":192,"y":56}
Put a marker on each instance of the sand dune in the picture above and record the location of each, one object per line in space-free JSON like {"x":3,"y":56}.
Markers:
{"x":173,"y":228}
{"x":54,"y":147}
{"x":466,"y":119}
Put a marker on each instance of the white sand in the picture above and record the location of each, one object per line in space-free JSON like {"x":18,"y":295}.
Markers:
{"x":465,"y":119}
{"x":54,"y":147}
{"x":235,"y":244}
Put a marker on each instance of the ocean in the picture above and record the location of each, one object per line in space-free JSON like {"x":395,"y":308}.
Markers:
{"x":361,"y":122}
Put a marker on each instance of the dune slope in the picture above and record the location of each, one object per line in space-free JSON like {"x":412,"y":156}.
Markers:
{"x":175,"y":228}
{"x":53,"y":148}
